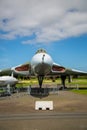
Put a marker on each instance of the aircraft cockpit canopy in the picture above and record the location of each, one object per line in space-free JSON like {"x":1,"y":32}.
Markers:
{"x":41,"y":51}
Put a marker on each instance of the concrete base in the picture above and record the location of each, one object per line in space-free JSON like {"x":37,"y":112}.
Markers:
{"x":44,"y":105}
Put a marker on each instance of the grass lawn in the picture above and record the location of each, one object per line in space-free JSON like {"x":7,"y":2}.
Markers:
{"x":2,"y":91}
{"x":80,"y":91}
{"x":81,"y":83}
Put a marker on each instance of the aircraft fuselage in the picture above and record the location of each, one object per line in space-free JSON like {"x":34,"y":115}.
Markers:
{"x":5,"y":80}
{"x":41,"y":63}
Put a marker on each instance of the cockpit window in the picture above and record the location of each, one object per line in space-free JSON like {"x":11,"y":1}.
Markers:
{"x":41,"y":51}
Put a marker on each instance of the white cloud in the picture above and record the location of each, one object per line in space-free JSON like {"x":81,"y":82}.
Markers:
{"x":48,"y":20}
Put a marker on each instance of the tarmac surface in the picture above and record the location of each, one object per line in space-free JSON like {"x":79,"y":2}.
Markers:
{"x":17,"y":112}
{"x":48,"y":115}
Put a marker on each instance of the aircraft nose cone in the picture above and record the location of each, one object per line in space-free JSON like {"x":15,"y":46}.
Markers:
{"x":41,"y":63}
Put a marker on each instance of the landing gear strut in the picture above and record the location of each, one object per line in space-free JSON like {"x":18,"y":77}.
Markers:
{"x":63,"y":78}
{"x":40,"y":80}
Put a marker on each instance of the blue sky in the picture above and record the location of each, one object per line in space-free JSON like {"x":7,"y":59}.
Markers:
{"x":58,"y":27}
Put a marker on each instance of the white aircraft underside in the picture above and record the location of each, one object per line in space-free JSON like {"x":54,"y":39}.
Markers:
{"x":5,"y":80}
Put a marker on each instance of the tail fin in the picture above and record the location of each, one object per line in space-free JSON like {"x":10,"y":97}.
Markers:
{"x":12,"y":74}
